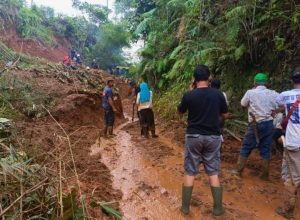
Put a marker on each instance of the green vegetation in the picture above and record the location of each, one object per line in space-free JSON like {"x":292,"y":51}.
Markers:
{"x":93,"y":35}
{"x":234,"y":38}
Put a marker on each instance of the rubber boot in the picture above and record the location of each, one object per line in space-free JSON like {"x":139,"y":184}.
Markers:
{"x":265,"y":170}
{"x":110,"y":130}
{"x":153,"y":134}
{"x":287,"y":211}
{"x":186,"y":199}
{"x":240,"y":166}
{"x":145,"y":132}
{"x":105,"y":132}
{"x":217,"y":196}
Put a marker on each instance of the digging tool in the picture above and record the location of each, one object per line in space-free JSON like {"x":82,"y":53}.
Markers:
{"x":254,"y":124}
{"x":133,"y":105}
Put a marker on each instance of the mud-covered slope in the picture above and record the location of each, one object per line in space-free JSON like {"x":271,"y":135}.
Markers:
{"x":68,"y":131}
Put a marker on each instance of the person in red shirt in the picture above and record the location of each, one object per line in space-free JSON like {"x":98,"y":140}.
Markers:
{"x":67,"y":61}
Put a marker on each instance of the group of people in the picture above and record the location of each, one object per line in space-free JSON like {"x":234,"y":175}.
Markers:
{"x":207,"y":109}
{"x":143,"y":97}
{"x":73,"y":59}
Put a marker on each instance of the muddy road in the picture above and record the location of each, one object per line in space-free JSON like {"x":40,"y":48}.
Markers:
{"x":149,"y":174}
{"x":140,"y":177}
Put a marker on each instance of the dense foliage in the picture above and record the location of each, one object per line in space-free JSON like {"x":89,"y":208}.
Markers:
{"x":234,"y":38}
{"x":92,"y":34}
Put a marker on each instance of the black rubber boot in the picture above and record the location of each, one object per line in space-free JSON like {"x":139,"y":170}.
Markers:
{"x":186,"y":199}
{"x":217,"y":196}
{"x":265,"y":170}
{"x":240,"y":166}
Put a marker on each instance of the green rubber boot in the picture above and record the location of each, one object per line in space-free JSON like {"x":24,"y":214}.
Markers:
{"x":217,"y":196}
{"x":186,"y":199}
{"x":240,"y":166}
{"x":265,"y":170}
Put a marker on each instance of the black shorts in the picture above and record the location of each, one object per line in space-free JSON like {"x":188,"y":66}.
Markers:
{"x":109,"y":117}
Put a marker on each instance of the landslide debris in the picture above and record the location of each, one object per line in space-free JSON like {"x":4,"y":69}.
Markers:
{"x":58,"y":117}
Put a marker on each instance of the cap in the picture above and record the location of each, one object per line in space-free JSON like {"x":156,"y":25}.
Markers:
{"x":261,"y":78}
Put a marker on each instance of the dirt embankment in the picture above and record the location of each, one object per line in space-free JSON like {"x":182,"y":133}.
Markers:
{"x":34,"y":48}
{"x":67,"y":134}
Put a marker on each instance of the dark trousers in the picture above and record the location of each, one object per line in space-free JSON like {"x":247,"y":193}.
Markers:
{"x":109,"y":117}
{"x":147,"y":119}
{"x":265,"y":133}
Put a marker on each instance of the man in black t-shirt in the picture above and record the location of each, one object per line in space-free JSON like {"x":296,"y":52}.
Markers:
{"x":203,"y":137}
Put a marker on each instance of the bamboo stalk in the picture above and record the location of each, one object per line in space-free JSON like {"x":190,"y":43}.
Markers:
{"x":32,"y":189}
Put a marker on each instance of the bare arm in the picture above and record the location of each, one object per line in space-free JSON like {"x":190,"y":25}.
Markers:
{"x":111,"y":103}
{"x":278,"y":110}
{"x":225,"y":116}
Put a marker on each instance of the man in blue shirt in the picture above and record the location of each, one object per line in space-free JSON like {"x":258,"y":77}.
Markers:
{"x":109,"y":107}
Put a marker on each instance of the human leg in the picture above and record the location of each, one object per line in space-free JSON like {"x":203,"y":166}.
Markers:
{"x":248,"y":145}
{"x":151,"y":123}
{"x":191,"y":166}
{"x":211,"y":159}
{"x":266,"y":131}
{"x":110,"y":122}
{"x":292,"y":182}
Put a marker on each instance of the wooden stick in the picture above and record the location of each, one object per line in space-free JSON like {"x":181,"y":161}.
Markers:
{"x":233,"y":135}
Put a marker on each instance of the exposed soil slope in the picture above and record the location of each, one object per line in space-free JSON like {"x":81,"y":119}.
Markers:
{"x":34,"y":48}
{"x":75,"y":123}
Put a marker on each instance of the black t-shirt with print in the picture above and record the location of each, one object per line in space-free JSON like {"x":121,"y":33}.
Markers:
{"x":204,"y":106}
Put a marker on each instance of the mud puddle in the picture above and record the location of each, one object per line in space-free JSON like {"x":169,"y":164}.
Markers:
{"x":149,"y":175}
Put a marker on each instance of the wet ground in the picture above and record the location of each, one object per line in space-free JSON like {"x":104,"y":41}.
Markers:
{"x":149,"y":174}
{"x":141,"y":177}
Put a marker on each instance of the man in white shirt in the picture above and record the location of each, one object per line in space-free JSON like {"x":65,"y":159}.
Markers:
{"x":292,"y":144}
{"x":260,"y":102}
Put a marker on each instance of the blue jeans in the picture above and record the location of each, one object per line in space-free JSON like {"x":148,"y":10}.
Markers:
{"x":265,"y":134}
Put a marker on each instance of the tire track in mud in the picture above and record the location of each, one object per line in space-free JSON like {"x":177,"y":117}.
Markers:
{"x":149,"y":174}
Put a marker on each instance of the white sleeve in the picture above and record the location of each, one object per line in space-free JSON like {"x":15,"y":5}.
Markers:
{"x":138,"y":99}
{"x":151,"y":97}
{"x":280,"y":100}
{"x":245,"y":100}
{"x":226,"y":98}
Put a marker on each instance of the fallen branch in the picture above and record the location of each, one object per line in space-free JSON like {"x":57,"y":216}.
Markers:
{"x":233,"y":135}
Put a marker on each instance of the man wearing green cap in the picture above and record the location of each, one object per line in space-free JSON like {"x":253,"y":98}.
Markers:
{"x":260,"y":102}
